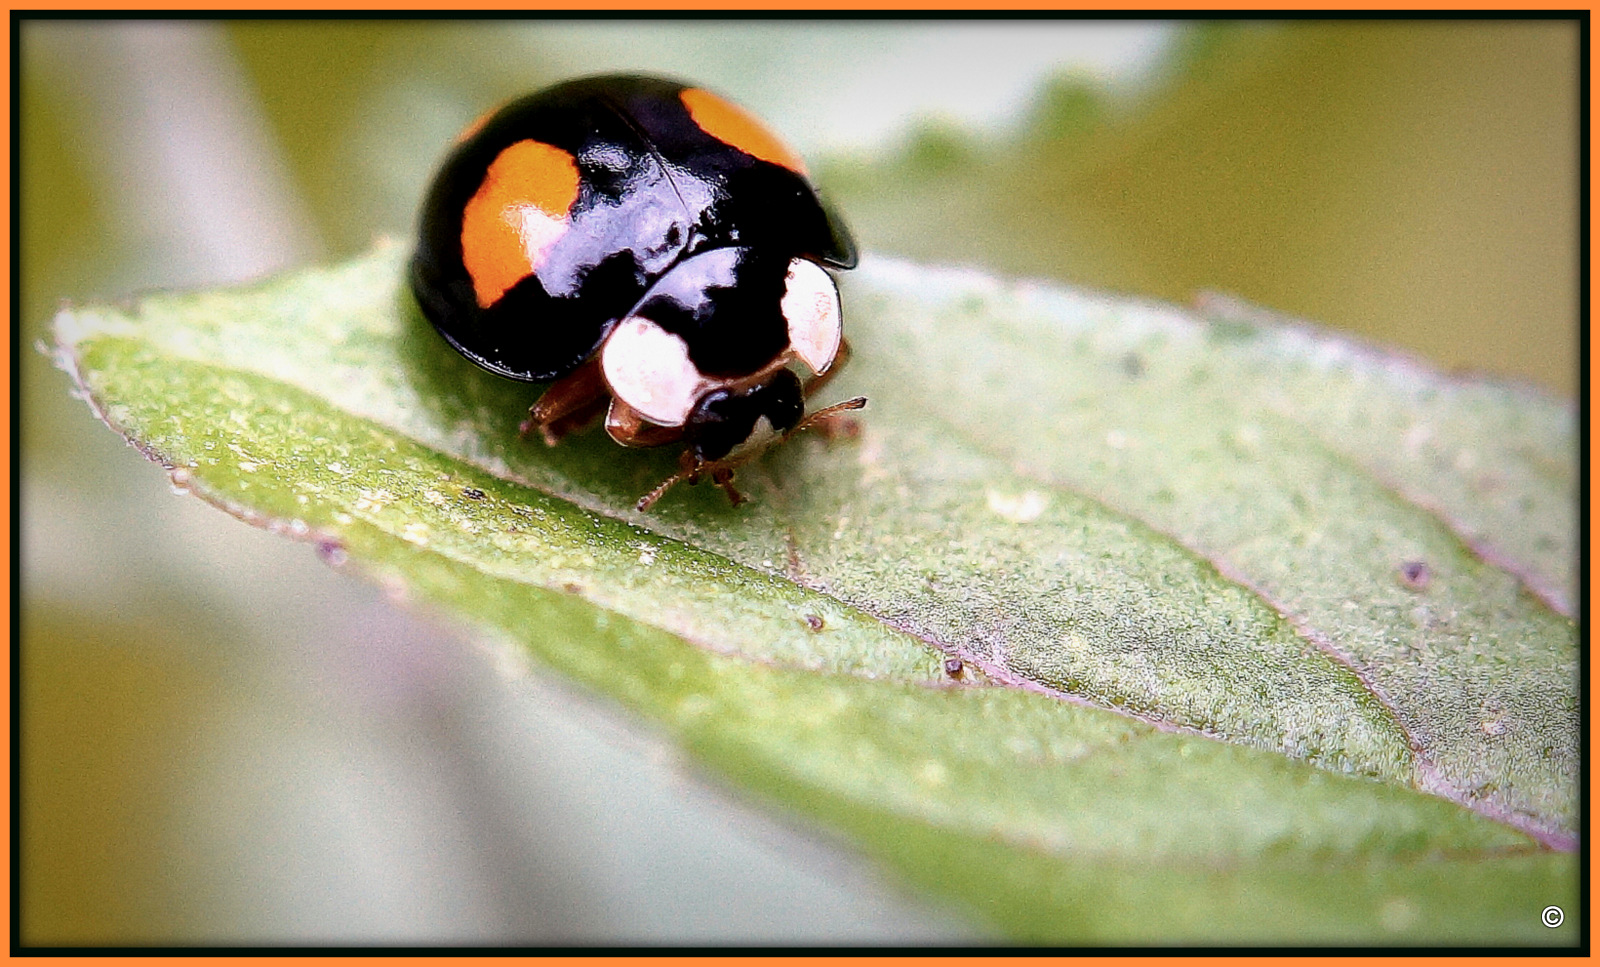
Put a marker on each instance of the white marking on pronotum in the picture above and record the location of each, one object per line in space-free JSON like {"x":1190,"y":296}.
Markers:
{"x":649,"y":369}
{"x":811,"y":308}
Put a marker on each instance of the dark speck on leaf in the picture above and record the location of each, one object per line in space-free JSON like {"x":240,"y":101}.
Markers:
{"x":473,"y":493}
{"x":332,"y":553}
{"x":814,"y":622}
{"x":953,"y":667}
{"x":1133,"y":365}
{"x":1415,"y":575}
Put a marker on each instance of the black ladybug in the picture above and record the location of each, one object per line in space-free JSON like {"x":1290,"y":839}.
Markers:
{"x":644,"y":244}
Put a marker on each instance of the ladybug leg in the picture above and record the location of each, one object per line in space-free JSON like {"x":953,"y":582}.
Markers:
{"x":555,"y":430}
{"x":570,"y":402}
{"x":723,"y":477}
{"x":689,"y":467}
{"x":627,"y":427}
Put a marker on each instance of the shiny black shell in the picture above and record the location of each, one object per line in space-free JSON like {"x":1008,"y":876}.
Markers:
{"x":653,"y":189}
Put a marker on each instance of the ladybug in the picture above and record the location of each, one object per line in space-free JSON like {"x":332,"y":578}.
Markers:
{"x":654,"y":253}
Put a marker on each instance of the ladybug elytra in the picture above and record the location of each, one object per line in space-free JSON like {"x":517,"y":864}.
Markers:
{"x":653,"y":252}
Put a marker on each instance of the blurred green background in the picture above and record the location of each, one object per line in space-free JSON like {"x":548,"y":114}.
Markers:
{"x":223,"y":741}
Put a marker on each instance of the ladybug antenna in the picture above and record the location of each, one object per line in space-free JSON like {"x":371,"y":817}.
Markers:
{"x":690,"y":468}
{"x":827,"y":411}
{"x":650,"y":498}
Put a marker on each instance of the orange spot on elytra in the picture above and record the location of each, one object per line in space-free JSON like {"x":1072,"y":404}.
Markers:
{"x":733,"y":125}
{"x":517,"y":214}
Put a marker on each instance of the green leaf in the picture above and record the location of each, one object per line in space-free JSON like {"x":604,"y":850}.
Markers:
{"x":1263,"y":636}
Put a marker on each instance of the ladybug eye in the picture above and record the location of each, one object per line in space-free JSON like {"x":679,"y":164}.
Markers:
{"x":649,"y":369}
{"x":811,"y":308}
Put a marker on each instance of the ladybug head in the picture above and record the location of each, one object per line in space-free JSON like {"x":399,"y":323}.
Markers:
{"x":708,"y":347}
{"x":748,"y":419}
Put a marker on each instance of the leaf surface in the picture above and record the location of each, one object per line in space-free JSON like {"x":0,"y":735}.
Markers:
{"x":1264,"y":636}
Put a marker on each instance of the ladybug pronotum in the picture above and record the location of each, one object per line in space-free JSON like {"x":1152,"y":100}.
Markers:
{"x":653,"y":252}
